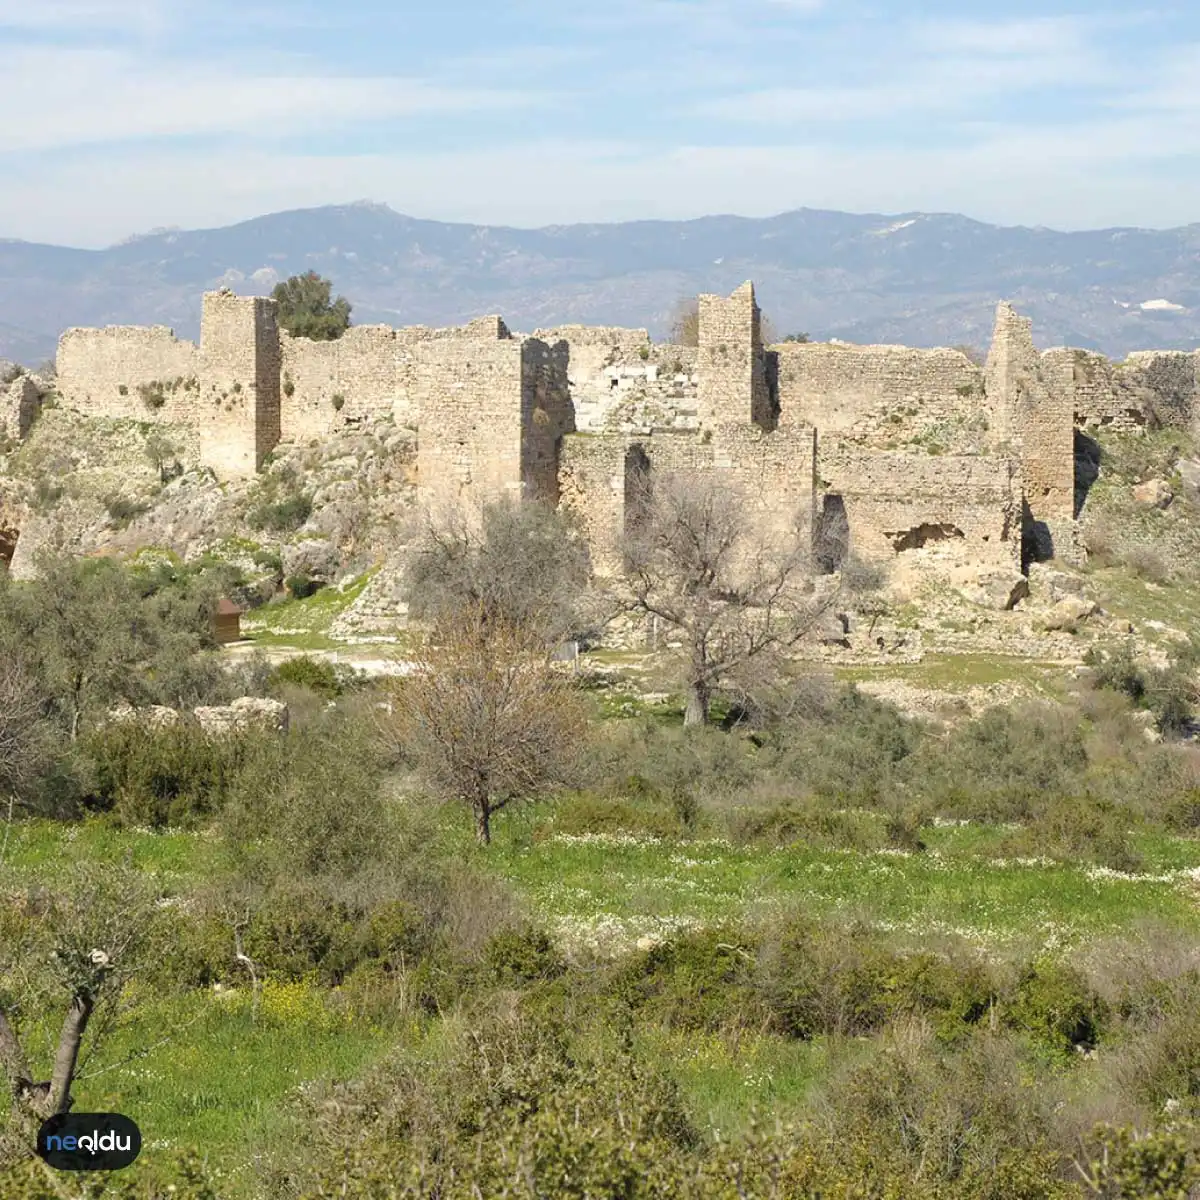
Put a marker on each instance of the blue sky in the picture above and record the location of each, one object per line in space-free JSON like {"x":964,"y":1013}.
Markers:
{"x":122,"y":115}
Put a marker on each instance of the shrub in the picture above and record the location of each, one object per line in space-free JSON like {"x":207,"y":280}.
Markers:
{"x":1054,"y":1004}
{"x":339,"y":401}
{"x":166,"y":776}
{"x":283,"y":515}
{"x":300,"y":587}
{"x":152,"y":395}
{"x":316,"y":674}
{"x":701,"y":981}
{"x":122,"y":510}
{"x":522,"y":956}
{"x":1147,"y":563}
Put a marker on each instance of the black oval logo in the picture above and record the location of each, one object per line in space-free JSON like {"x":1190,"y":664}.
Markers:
{"x":89,"y":1142}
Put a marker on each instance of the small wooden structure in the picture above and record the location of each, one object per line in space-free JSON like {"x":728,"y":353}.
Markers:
{"x":227,"y":622}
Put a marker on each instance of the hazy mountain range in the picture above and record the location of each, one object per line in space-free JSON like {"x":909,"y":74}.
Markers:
{"x":917,"y":278}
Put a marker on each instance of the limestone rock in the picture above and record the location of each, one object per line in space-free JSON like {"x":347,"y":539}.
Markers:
{"x":315,"y":558}
{"x":1069,"y":613}
{"x":999,"y":590}
{"x":1189,"y":473}
{"x":1154,"y":493}
{"x":245,"y":713}
{"x":1051,"y":584}
{"x":19,"y":404}
{"x":155,"y":716}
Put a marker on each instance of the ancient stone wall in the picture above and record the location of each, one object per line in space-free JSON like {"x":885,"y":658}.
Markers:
{"x":326,"y":385}
{"x":126,"y":371}
{"x":1038,"y":421}
{"x":599,"y":473}
{"x":469,"y":396}
{"x":888,"y":397}
{"x":1164,"y":385}
{"x":895,"y":502}
{"x":238,"y":408}
{"x":732,"y":362}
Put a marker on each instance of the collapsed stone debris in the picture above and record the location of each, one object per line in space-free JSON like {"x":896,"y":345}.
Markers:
{"x":885,"y":452}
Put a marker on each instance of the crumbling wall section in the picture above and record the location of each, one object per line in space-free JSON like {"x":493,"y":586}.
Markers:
{"x":887,"y":397}
{"x":128,"y":371}
{"x":1164,"y":386}
{"x":238,"y":413}
{"x":895,"y":502}
{"x":1038,"y":420}
{"x":774,"y":471}
{"x":20,"y":404}
{"x":547,"y":416}
{"x":620,"y":380}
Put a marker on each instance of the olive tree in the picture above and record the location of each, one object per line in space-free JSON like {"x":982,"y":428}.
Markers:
{"x":75,"y":952}
{"x":520,"y":564}
{"x":307,"y":308}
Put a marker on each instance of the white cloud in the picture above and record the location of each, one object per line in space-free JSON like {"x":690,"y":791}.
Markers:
{"x":946,"y":68}
{"x":85,"y":96}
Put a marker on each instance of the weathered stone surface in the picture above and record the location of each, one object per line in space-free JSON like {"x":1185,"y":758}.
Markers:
{"x":315,"y":558}
{"x":1154,"y":493}
{"x":1189,"y":474}
{"x":19,"y":405}
{"x":1069,"y":613}
{"x":154,"y":716}
{"x":1000,"y":590}
{"x":1048,"y":583}
{"x":245,"y":713}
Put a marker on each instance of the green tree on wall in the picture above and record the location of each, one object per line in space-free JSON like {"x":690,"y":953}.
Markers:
{"x":306,"y":308}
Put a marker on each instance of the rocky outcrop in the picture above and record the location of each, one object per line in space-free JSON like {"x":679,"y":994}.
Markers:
{"x":247,"y":713}
{"x":1154,"y":493}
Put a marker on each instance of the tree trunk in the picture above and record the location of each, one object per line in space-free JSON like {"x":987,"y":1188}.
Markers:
{"x":699,"y":699}
{"x":483,"y":823}
{"x":65,"y":1061}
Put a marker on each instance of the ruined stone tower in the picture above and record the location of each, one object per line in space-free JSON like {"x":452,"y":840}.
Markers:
{"x":732,"y":362}
{"x":1038,"y":423}
{"x":238,"y":414}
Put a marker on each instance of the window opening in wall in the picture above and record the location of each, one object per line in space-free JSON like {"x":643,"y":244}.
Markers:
{"x":921,"y":536}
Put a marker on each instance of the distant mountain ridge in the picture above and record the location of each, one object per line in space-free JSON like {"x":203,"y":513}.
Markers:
{"x":919,"y":279}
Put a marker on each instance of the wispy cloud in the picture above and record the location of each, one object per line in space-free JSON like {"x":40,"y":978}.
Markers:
{"x":111,"y":96}
{"x":136,"y":113}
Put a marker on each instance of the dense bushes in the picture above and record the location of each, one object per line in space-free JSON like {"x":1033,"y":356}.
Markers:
{"x":1065,"y":781}
{"x":158,"y":776}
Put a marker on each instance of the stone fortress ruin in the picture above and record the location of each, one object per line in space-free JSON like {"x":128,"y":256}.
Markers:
{"x":879,"y":450}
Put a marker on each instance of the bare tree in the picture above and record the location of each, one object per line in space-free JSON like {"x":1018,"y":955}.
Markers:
{"x":486,"y":718}
{"x":685,"y":322}
{"x":731,"y":590}
{"x":520,"y":564}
